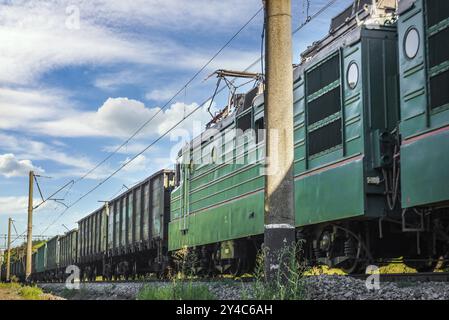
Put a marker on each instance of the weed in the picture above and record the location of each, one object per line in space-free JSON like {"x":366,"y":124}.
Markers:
{"x":176,"y":290}
{"x":287,"y":282}
{"x":31,"y":293}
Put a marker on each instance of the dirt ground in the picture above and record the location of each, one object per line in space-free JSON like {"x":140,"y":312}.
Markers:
{"x":9,"y":294}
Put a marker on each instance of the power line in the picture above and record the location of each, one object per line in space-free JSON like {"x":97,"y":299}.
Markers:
{"x":19,"y":236}
{"x":53,"y":194}
{"x":14,"y":226}
{"x":132,"y":159}
{"x":319,"y":12}
{"x":301,"y":26}
{"x":174,"y":96}
{"x":111,"y":154}
{"x":316,"y":14}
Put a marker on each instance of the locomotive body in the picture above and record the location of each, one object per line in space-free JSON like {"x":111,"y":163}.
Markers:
{"x":424,"y":77}
{"x":345,"y":106}
{"x":423,"y":29}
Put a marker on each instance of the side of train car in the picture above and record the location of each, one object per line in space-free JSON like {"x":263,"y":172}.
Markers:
{"x":126,"y":237}
{"x":371,"y":145}
{"x":129,"y":235}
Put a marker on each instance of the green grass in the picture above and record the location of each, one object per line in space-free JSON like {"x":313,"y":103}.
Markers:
{"x":25,"y":292}
{"x":31,"y":293}
{"x":10,"y":286}
{"x":182,"y":285}
{"x":176,"y":290}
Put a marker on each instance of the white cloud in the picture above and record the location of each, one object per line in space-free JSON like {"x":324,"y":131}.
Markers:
{"x":17,"y":205}
{"x":117,"y":117}
{"x":10,"y":166}
{"x":14,"y":205}
{"x":140,"y":163}
{"x":132,"y":147}
{"x":36,"y":150}
{"x":21,"y":107}
{"x":163,"y":94}
{"x":112,"y":81}
{"x":172,"y":14}
{"x":35,"y":39}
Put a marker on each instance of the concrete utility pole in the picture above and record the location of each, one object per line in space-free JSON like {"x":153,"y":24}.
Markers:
{"x":8,"y":255}
{"x":279,"y":202}
{"x":30,"y":227}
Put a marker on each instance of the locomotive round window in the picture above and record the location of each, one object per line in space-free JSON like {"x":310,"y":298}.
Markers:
{"x":411,"y":43}
{"x":353,"y":75}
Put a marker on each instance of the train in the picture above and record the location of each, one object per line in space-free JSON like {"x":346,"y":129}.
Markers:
{"x":371,"y":147}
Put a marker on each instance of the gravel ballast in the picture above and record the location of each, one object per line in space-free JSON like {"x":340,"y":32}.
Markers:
{"x":322,"y":287}
{"x":326,"y":287}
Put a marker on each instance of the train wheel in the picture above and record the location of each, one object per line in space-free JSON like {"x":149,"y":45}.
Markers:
{"x":354,"y":250}
{"x":134,"y":271}
{"x":237,"y":267}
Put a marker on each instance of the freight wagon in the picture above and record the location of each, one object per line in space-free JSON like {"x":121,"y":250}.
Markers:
{"x":40,"y":263}
{"x":18,"y":269}
{"x":92,"y":241}
{"x":68,"y":251}
{"x":128,"y":236}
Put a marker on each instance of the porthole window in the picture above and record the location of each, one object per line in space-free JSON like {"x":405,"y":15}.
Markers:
{"x":411,"y":43}
{"x":353,"y":75}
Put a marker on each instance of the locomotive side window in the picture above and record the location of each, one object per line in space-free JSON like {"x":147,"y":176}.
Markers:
{"x":353,"y":75}
{"x":411,"y":43}
{"x":439,"y":93}
{"x":323,"y":106}
{"x":439,"y":48}
{"x":437,"y":11}
{"x":438,"y":52}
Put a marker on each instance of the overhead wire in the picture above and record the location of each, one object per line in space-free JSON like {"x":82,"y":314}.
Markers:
{"x":184,"y":87}
{"x":316,"y":14}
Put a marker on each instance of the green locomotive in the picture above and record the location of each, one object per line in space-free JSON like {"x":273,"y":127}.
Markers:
{"x":369,"y":151}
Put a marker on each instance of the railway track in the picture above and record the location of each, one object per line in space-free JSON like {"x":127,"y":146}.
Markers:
{"x":409,"y":277}
{"x":386,"y":277}
{"x":223,"y":280}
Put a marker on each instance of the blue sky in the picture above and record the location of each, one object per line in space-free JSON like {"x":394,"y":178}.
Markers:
{"x":70,"y":93}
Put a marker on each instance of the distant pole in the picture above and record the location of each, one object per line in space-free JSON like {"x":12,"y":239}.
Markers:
{"x":1,"y":263}
{"x":30,"y":227}
{"x":8,"y":256}
{"x":279,"y":204}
